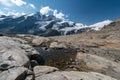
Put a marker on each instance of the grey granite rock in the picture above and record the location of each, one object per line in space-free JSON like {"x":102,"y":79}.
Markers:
{"x":74,"y":76}
{"x":15,"y":52}
{"x":58,"y":45}
{"x":41,"y":70}
{"x":100,"y":64}
{"x":11,"y":54}
{"x":14,"y":74}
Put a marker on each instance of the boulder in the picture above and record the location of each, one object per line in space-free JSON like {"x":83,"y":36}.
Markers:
{"x":14,"y":74}
{"x":41,"y":70}
{"x":11,"y":54}
{"x":12,"y":58}
{"x":15,"y":52}
{"x":58,"y":45}
{"x":99,"y":64}
{"x":39,"y":41}
{"x":30,"y":77}
{"x":71,"y":75}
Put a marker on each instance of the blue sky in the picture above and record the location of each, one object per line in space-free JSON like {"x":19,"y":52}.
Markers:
{"x":84,"y":11}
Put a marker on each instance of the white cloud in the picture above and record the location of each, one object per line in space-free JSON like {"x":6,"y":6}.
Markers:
{"x":6,"y":2}
{"x":10,"y":3}
{"x":18,"y":2}
{"x":32,"y":5}
{"x":59,"y":15}
{"x":45,"y":10}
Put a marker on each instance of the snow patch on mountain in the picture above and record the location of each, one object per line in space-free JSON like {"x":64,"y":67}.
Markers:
{"x":2,"y":19}
{"x":75,"y":28}
{"x":100,"y":25}
{"x":26,"y":16}
{"x":43,"y":25}
{"x":79,"y":26}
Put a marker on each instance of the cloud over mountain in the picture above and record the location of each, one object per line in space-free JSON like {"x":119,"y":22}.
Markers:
{"x":45,"y":10}
{"x":58,"y":15}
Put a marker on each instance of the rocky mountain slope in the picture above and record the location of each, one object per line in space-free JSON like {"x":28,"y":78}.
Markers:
{"x":20,"y":61}
{"x":104,"y":43}
{"x":44,"y":25}
{"x":93,"y":55}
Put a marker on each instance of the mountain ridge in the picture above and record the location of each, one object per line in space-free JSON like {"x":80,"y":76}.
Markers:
{"x":38,"y":24}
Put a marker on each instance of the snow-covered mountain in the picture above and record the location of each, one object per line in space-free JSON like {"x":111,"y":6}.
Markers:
{"x":44,"y":25}
{"x":100,"y":25}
